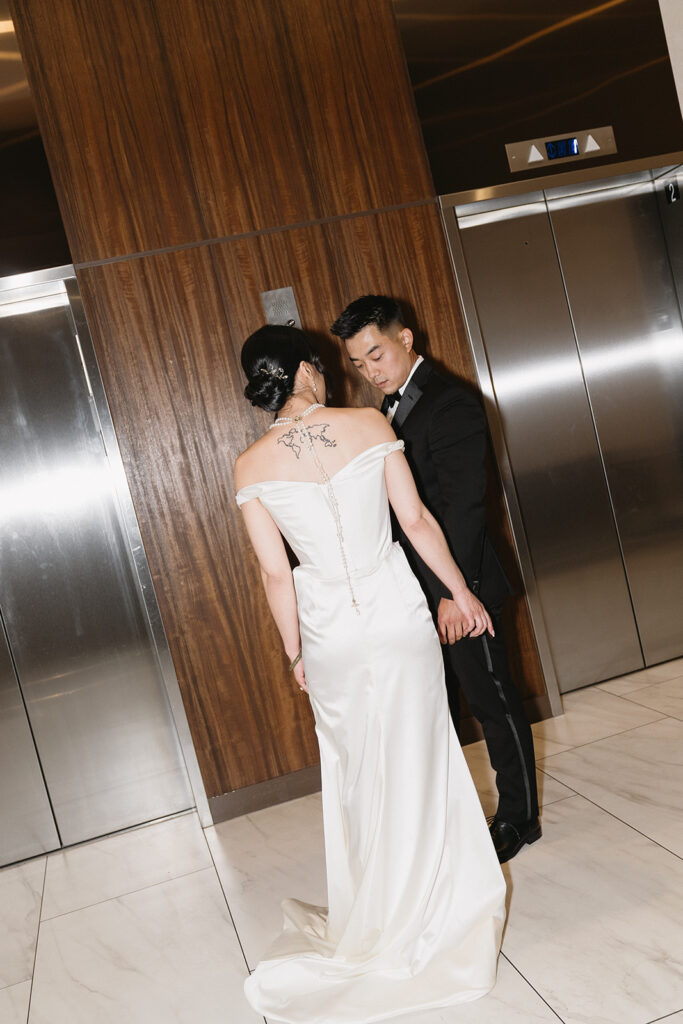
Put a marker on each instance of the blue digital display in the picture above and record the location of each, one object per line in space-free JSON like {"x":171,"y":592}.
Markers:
{"x":560,"y":148}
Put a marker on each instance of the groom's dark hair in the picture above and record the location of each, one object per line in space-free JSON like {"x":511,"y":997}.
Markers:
{"x":380,"y":310}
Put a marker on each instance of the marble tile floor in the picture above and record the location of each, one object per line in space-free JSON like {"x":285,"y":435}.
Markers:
{"x":157,"y":925}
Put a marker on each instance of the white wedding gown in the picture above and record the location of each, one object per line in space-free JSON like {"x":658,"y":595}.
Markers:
{"x":416,"y":895}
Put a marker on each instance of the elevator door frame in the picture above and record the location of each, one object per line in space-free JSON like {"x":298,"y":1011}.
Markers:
{"x":485,"y":200}
{"x":31,"y":285}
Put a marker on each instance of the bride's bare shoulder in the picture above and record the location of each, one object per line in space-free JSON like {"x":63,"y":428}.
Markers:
{"x":247,"y":463}
{"x":241,"y":469}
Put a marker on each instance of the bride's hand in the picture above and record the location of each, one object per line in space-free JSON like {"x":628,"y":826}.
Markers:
{"x":300,"y":675}
{"x":464,"y":616}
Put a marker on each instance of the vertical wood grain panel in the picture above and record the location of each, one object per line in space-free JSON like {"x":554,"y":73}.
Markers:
{"x":172,"y":121}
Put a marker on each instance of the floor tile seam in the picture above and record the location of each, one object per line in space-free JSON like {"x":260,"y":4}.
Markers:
{"x":35,"y":948}
{"x":531,"y":986}
{"x":619,"y":696}
{"x":646,"y":686}
{"x":542,"y":805}
{"x":131,"y":892}
{"x":667,"y":1017}
{"x":630,"y":698}
{"x":227,"y":903}
{"x":26,"y":862}
{"x":648,"y":670}
{"x":538,"y":758}
{"x":612,"y":814}
{"x":627,"y":696}
{"x":128,"y":830}
{"x":544,"y":772}
{"x":560,"y":799}
{"x":15,"y":984}
{"x":621,"y":732}
{"x":667,"y":678}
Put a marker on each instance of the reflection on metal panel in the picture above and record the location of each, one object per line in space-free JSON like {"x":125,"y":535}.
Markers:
{"x":550,"y":437}
{"x":628,"y":329}
{"x":28,"y":827}
{"x":135,"y":548}
{"x":88,"y":672}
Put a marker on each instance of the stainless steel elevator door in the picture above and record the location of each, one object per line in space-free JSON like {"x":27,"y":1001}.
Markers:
{"x":578,"y":302}
{"x":551,"y":442}
{"x":75,"y":622}
{"x":27,"y":826}
{"x":627,"y":321}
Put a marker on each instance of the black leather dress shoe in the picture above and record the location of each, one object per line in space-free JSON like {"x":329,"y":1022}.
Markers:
{"x":509,"y":839}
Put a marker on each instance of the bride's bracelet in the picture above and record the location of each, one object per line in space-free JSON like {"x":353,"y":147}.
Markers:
{"x":296,"y":661}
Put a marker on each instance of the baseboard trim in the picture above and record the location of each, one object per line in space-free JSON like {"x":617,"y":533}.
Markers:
{"x":265,"y":794}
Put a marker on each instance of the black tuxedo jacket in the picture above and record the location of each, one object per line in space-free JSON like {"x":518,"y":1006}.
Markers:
{"x":444,"y":430}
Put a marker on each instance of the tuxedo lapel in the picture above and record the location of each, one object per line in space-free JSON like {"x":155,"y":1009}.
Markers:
{"x":411,"y":395}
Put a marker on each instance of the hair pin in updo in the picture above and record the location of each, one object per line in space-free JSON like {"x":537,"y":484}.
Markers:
{"x":268,"y":372}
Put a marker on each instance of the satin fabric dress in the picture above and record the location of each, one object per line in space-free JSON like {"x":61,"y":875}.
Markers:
{"x":416,"y":895}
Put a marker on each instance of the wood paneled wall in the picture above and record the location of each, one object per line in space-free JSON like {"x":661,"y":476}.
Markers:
{"x":176,"y":121}
{"x":202,"y":153}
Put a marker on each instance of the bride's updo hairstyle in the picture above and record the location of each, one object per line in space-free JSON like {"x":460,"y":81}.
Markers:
{"x":270,"y":358}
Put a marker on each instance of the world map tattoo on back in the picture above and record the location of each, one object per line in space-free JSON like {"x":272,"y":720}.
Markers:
{"x":292,"y":439}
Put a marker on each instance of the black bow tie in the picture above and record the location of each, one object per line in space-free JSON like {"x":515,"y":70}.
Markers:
{"x":395,"y":396}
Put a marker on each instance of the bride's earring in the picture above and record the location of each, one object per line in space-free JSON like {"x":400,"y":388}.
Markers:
{"x":315,"y":391}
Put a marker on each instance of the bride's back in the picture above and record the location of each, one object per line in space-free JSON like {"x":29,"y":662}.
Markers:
{"x":329,"y":440}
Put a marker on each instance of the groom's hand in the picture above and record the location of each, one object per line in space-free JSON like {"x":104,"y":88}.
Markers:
{"x":464,"y":616}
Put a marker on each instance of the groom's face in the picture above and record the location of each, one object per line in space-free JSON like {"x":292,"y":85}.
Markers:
{"x":384,"y":358}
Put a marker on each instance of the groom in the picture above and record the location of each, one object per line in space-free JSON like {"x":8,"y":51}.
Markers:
{"x":444,"y":430}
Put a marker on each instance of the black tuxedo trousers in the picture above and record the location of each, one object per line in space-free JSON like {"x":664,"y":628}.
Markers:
{"x":479,"y":666}
{"x":445,"y":434}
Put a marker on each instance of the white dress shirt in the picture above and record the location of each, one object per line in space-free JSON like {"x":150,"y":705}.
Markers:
{"x":392,"y":408}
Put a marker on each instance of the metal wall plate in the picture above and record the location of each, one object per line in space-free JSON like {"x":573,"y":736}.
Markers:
{"x":279,"y":306}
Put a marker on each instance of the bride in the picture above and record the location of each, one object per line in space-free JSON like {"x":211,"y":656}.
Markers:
{"x":416,"y":896}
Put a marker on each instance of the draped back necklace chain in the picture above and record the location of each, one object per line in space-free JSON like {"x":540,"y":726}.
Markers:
{"x":307,"y":441}
{"x":295,"y":419}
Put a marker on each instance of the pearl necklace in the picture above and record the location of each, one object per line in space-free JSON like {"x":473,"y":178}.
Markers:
{"x":295,"y":419}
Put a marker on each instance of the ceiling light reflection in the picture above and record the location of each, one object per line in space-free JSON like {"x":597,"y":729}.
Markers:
{"x":541,"y":375}
{"x":664,"y":350}
{"x":15,"y":87}
{"x":65,"y":491}
{"x":526,"y":41}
